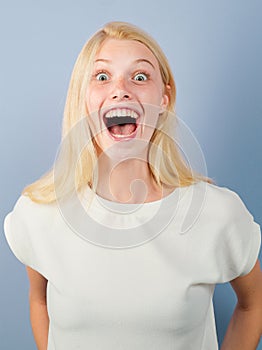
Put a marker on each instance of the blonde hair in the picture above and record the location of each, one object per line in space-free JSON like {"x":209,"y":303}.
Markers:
{"x":79,"y":152}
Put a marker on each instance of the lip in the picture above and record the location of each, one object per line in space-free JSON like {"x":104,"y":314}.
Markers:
{"x":121,"y":107}
{"x":128,"y":137}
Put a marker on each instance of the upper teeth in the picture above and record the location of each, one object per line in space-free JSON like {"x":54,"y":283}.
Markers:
{"x":121,"y":112}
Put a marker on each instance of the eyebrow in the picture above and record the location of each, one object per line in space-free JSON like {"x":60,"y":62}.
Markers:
{"x":136,"y":61}
{"x":144,"y":60}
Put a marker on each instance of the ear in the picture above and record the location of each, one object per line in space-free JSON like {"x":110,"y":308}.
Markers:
{"x":165,"y":98}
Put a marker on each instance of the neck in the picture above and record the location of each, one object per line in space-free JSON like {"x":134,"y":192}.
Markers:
{"x":126,"y":181}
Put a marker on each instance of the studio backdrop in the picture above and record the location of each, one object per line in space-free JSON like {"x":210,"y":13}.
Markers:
{"x":215,"y":51}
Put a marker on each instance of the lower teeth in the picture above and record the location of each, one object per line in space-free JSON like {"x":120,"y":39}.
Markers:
{"x":121,"y":135}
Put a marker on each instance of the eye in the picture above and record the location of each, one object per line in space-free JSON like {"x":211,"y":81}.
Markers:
{"x":102,"y":76}
{"x":141,"y":77}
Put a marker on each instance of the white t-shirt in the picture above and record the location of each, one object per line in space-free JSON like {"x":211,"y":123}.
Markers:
{"x":135,"y":277}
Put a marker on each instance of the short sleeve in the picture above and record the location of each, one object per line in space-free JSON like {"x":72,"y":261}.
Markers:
{"x":30,"y":229}
{"x":242,"y":239}
{"x":17,"y":232}
{"x":225,"y":241}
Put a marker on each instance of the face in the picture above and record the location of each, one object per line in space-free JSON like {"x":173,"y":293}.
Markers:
{"x":125,"y":96}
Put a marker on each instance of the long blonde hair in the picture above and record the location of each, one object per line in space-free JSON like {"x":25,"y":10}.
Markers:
{"x":75,"y":163}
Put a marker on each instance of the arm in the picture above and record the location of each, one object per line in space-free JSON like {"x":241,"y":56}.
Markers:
{"x":38,"y":308}
{"x":245,"y":327}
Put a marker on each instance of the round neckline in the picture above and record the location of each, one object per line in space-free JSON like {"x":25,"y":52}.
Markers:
{"x":123,"y":225}
{"x":99,"y":202}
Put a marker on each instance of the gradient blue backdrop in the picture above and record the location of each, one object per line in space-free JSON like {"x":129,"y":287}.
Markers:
{"x":215,"y":51}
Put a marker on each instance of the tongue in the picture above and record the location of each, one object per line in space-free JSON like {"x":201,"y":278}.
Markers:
{"x":124,"y":129}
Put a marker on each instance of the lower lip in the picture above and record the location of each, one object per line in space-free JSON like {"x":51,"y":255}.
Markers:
{"x":124,"y":137}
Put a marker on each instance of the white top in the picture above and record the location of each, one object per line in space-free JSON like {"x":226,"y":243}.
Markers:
{"x":135,"y":277}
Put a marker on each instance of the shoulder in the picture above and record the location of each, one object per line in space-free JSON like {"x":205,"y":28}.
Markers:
{"x":27,"y":212}
{"x":25,"y":204}
{"x":212,"y":208}
{"x":221,"y":202}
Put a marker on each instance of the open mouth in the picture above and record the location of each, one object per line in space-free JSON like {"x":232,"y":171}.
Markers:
{"x":121,"y":123}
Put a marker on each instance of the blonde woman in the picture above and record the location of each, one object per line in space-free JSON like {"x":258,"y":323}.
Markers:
{"x":122,"y":240}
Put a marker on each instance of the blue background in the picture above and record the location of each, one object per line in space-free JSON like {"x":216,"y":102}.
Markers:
{"x":214,"y":48}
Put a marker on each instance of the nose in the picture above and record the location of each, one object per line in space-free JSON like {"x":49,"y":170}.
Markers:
{"x":120,"y":91}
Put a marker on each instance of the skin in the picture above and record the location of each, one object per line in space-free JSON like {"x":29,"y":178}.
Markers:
{"x":38,"y":308}
{"x":126,"y":74}
{"x":118,"y":60}
{"x":245,"y":327}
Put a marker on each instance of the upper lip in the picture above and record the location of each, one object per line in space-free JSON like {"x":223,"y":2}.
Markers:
{"x":131,"y":108}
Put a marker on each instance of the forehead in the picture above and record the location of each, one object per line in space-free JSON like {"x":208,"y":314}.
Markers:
{"x":116,"y":48}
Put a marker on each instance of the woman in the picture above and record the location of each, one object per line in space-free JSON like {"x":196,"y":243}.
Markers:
{"x":109,"y":265}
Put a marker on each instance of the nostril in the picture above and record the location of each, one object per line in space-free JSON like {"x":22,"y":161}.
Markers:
{"x":125,"y":96}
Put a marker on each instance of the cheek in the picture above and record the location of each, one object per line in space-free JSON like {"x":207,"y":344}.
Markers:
{"x":91,"y":102}
{"x":152,"y":95}
{"x":94,"y":99}
{"x":91,"y":109}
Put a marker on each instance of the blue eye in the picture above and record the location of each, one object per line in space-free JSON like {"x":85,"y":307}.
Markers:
{"x":140,"y":77}
{"x":102,"y":76}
